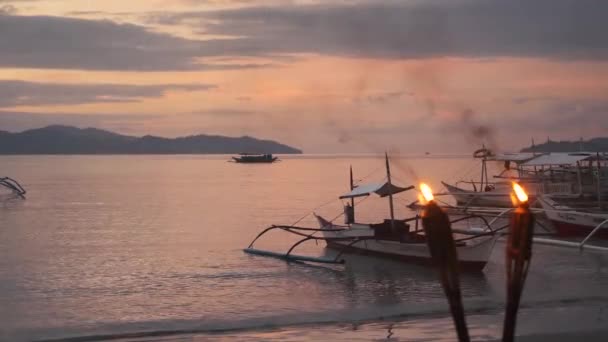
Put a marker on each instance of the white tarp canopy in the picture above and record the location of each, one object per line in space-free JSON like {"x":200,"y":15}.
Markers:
{"x":381,"y":189}
{"x":559,"y":159}
{"x":517,"y":157}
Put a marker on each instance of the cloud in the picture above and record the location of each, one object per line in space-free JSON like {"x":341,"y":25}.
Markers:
{"x":522,"y":100}
{"x":382,"y":98}
{"x":562,"y":119}
{"x":225,"y":112}
{"x":7,"y":9}
{"x":69,"y":43}
{"x":19,"y":121}
{"x":16,"y":1}
{"x":563,"y":29}
{"x":22,"y":93}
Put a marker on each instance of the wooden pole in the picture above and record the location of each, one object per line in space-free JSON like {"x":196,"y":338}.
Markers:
{"x":483,"y":167}
{"x":599,"y":188}
{"x":352,"y":186}
{"x":390,"y":193}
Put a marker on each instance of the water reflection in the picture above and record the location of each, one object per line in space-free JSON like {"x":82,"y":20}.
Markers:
{"x":83,"y":256}
{"x":366,"y":280}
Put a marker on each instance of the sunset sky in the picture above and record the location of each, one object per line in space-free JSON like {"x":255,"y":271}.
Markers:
{"x":324,"y":76}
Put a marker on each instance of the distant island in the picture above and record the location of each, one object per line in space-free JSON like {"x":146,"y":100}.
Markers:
{"x":58,"y":139}
{"x":591,"y":145}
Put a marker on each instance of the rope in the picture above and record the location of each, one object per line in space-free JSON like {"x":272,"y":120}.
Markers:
{"x":312,"y":211}
{"x":367,"y":176}
{"x":466,"y":172}
{"x":342,"y":213}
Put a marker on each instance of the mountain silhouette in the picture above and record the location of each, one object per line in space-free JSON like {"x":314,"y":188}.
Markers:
{"x":57,"y":139}
{"x":591,"y":145}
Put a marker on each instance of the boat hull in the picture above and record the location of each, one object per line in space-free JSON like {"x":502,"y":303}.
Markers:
{"x":472,"y":256}
{"x":255,"y":161}
{"x":575,"y":230}
{"x":571,"y":223}
{"x":379,"y":249}
{"x":479,"y":199}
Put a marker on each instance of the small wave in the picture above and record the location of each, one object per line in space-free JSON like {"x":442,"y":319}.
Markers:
{"x":342,"y":316}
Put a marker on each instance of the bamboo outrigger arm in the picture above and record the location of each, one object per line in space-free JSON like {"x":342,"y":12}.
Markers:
{"x":592,"y":233}
{"x":293,"y":257}
{"x":13,"y":185}
{"x":294,"y":230}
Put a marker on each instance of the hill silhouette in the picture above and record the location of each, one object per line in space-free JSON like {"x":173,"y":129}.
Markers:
{"x":58,"y":139}
{"x":591,"y":145}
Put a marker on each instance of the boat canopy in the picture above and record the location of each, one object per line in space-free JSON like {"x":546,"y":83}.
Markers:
{"x":560,"y":159}
{"x":380,"y":189}
{"x":514,"y":157}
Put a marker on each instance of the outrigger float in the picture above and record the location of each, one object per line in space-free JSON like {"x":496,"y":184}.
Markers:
{"x":393,"y":238}
{"x":13,"y":186}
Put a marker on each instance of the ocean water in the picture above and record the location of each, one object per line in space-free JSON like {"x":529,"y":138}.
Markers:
{"x":150,"y":248}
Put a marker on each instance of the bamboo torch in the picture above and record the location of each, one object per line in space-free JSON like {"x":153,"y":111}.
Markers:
{"x":438,"y":231}
{"x":518,"y":256}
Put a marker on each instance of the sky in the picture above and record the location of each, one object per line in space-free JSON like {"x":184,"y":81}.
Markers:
{"x":331,"y":76}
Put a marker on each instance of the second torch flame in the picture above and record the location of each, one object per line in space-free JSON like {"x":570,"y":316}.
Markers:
{"x":427,"y":193}
{"x":520,"y":193}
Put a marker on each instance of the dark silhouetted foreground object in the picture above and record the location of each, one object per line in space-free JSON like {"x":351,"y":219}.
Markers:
{"x":438,"y":231}
{"x":518,"y":256}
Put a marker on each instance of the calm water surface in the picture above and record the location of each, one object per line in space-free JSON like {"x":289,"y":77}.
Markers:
{"x":116,"y":245}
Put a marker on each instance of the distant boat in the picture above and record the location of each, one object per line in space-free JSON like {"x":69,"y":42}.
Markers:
{"x":255,"y":158}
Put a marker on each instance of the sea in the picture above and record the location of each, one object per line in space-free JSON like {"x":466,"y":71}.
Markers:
{"x":150,"y":248}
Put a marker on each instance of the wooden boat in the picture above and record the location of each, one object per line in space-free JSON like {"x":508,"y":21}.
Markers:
{"x":11,"y":187}
{"x":255,"y":158}
{"x":495,"y":195}
{"x":561,"y":174}
{"x":573,"y":217}
{"x":397,"y":240}
{"x":392,"y":238}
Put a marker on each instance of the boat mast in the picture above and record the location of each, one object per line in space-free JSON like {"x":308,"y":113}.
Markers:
{"x":484,"y":172}
{"x":352,"y":186}
{"x":599,"y":187}
{"x":390,"y":192}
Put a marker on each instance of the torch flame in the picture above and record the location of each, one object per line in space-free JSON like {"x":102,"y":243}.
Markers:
{"x":520,"y":193}
{"x":427,"y":193}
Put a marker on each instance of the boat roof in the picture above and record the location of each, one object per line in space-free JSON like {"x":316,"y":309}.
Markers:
{"x":380,"y":189}
{"x":518,"y":157}
{"x":560,"y":158}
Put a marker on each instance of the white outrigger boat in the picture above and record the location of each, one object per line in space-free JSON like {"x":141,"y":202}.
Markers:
{"x":393,"y":238}
{"x":561,"y":174}
{"x":486,"y":193}
{"x":9,"y":186}
{"x":570,"y":219}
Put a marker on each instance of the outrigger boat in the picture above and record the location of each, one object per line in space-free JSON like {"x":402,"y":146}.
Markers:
{"x":12,"y":187}
{"x":486,"y":193}
{"x":255,"y":158}
{"x":571,"y":218}
{"x":393,"y":238}
{"x":561,"y":174}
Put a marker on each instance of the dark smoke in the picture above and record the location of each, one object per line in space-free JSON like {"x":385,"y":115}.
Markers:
{"x":477,"y":133}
